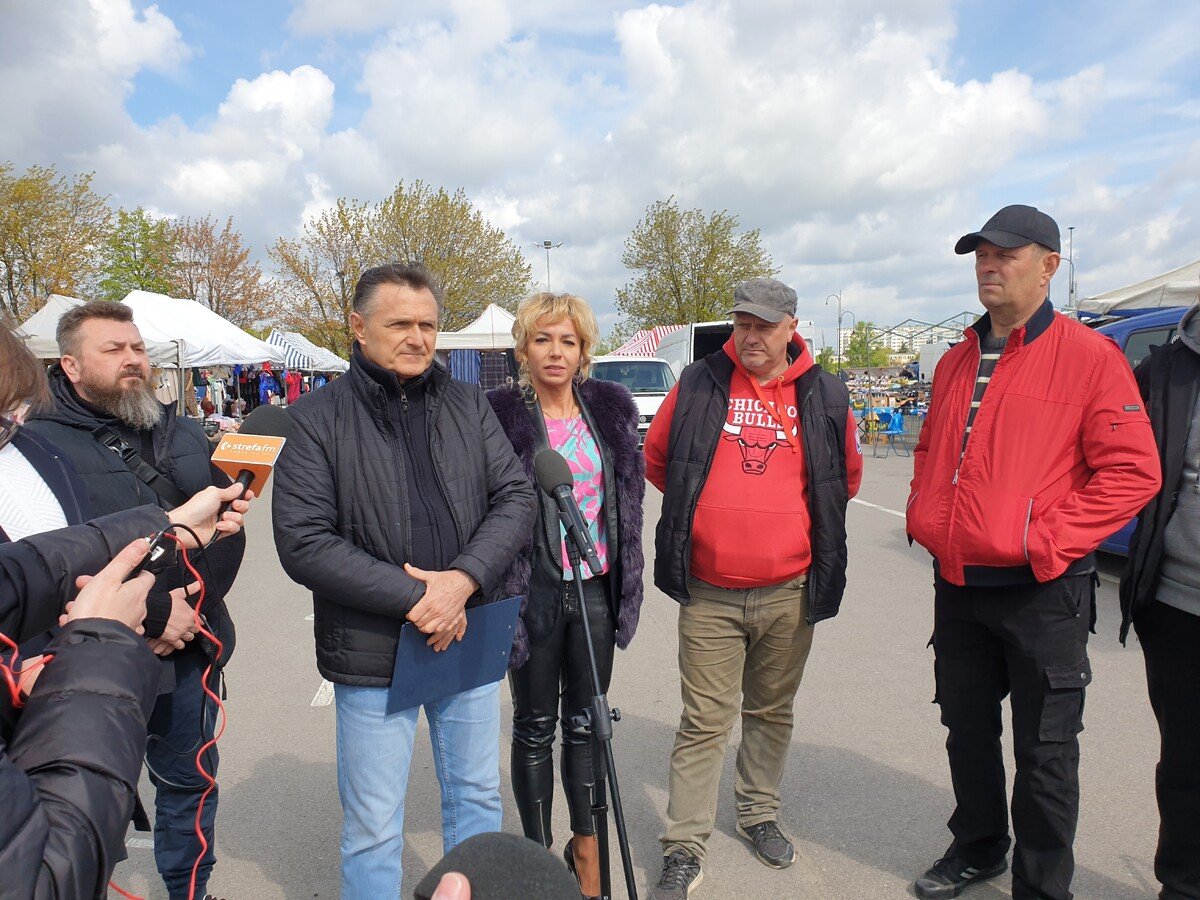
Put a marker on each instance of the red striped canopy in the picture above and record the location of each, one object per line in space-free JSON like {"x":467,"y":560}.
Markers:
{"x":645,"y":342}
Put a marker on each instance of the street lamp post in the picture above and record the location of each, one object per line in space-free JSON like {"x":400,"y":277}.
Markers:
{"x":1071,"y":261}
{"x":838,"y":298}
{"x":547,"y":246}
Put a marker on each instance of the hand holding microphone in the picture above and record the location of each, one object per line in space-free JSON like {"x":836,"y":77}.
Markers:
{"x":248,"y":456}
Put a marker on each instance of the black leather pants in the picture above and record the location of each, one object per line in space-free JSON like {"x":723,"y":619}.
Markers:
{"x":555,"y":678}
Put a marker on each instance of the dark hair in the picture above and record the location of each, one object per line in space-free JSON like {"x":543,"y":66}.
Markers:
{"x":72,"y":320}
{"x":24,"y":378}
{"x":410,"y":275}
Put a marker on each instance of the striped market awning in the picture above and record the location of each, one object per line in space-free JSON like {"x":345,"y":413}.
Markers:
{"x":302,"y":354}
{"x":645,"y":342}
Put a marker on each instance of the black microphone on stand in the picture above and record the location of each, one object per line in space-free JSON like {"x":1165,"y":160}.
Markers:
{"x":554,"y":478}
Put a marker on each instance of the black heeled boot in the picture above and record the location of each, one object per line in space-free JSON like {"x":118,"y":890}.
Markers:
{"x":533,"y":776}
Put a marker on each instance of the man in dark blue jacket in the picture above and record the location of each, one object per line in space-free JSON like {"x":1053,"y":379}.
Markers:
{"x":130,"y":450}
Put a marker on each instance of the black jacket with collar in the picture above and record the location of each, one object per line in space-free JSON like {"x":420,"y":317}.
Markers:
{"x":180,"y":451}
{"x":69,"y":764}
{"x":341,"y":502}
{"x":1169,"y":380}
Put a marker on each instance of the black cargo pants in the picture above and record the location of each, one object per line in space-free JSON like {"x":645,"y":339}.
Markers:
{"x":1029,"y":642}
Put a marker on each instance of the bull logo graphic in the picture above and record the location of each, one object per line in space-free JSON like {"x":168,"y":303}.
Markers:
{"x":756,"y":443}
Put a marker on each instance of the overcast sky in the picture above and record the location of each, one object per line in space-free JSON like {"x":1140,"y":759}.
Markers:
{"x":862,"y":137}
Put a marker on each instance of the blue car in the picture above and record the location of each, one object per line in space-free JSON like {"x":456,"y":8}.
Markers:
{"x":1136,"y":331}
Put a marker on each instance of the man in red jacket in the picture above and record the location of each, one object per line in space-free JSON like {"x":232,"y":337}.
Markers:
{"x":755,"y":450}
{"x":1035,"y":449}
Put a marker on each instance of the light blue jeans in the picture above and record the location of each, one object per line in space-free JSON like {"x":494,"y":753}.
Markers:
{"x":374,"y":750}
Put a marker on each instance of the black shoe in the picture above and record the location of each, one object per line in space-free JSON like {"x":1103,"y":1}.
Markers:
{"x":770,"y":844}
{"x":569,"y":859}
{"x":681,"y":876}
{"x":950,"y":876}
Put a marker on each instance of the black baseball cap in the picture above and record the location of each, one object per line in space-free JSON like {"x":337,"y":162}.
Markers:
{"x":1014,"y":226}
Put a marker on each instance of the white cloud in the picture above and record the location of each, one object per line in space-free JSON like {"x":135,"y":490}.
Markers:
{"x":67,"y":68}
{"x":127,"y":42}
{"x":844,"y":131}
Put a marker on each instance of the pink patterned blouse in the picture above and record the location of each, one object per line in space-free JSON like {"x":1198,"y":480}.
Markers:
{"x":574,"y":441}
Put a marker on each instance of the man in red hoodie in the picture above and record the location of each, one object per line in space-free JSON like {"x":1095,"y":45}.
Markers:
{"x":1035,"y":449}
{"x":756,"y":453}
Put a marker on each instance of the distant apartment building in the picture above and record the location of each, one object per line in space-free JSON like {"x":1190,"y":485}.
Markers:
{"x":903,"y":338}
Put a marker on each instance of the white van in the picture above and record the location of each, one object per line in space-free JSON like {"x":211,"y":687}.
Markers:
{"x":647,"y":378}
{"x":692,"y":342}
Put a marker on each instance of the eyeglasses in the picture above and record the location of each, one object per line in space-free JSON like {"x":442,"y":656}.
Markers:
{"x":8,"y":430}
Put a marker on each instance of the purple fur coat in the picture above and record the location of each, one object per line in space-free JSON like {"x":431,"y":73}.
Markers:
{"x":612,"y":409}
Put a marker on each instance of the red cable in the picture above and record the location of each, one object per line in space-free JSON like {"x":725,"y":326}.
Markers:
{"x":14,"y":675}
{"x":12,"y":679}
{"x":212,"y":782}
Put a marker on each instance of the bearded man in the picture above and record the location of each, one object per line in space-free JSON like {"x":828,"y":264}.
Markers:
{"x":131,"y":450}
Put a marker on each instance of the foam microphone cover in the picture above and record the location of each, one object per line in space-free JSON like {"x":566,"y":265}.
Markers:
{"x":551,"y":471}
{"x":268,"y":420}
{"x":503,"y":867}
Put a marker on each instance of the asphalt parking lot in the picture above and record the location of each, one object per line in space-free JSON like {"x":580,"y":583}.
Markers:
{"x":866,"y":790}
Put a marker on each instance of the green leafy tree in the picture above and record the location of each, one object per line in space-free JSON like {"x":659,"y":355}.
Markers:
{"x":864,"y":348}
{"x":315,"y":274}
{"x":51,"y":230}
{"x":139,"y":253}
{"x":620,"y":333}
{"x":214,"y":268}
{"x":687,"y":264}
{"x":475,"y":262}
{"x":826,"y":359}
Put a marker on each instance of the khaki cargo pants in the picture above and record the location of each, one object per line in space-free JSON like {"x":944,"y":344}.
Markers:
{"x":746,"y":646}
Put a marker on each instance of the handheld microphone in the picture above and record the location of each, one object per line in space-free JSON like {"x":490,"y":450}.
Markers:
{"x":554,"y":478}
{"x":502,"y":866}
{"x":248,"y":456}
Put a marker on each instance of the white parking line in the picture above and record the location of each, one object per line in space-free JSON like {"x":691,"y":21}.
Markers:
{"x":137,"y":843}
{"x":324,"y":694}
{"x":890,"y":512}
{"x":1104,"y":576}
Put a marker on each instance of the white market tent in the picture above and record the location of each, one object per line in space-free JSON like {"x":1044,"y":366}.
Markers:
{"x":38,"y":332}
{"x":491,"y":331}
{"x":301,"y":353}
{"x":204,"y":338}
{"x":1179,"y":287}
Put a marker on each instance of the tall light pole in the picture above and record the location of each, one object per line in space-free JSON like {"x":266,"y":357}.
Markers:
{"x":838,"y":298}
{"x":1071,"y":260}
{"x":548,"y":246}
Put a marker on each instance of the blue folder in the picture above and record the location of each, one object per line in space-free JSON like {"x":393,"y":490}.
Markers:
{"x":422,"y":676}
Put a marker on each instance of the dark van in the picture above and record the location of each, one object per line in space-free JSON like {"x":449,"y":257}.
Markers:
{"x":1136,"y":333}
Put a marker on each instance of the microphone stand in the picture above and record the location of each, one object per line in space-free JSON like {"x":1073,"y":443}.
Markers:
{"x":597,"y":720}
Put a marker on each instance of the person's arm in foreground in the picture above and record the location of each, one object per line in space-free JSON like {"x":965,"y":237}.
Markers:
{"x":69,"y":775}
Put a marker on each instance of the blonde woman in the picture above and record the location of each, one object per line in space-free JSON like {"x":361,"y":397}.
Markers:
{"x":593,"y":424}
